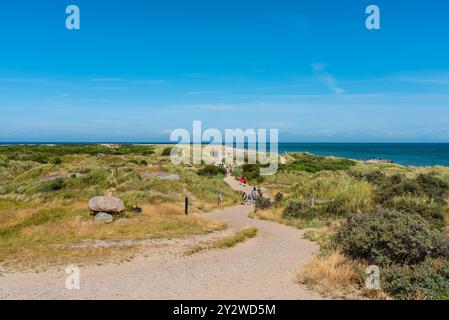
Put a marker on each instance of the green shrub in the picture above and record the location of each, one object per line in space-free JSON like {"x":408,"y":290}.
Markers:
{"x":423,"y":185}
{"x":211,"y":170}
{"x":375,"y":177}
{"x":251,"y":171}
{"x":314,"y":164}
{"x":56,"y":160}
{"x":41,"y":158}
{"x":294,"y":210}
{"x":166,"y":152}
{"x":262,"y":203}
{"x":432,"y":186}
{"x":384,"y":237}
{"x":278,"y":198}
{"x":305,"y":210}
{"x":97,"y":177}
{"x":139,"y":162}
{"x":53,"y":185}
{"x":428,"y":280}
{"x":430,"y":211}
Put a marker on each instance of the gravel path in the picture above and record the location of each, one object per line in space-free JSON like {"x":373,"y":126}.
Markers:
{"x":260,"y":268}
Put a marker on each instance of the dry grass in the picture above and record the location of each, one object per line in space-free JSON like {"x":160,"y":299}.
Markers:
{"x":225,"y":242}
{"x":333,"y":275}
{"x":30,"y":238}
{"x":274,"y":214}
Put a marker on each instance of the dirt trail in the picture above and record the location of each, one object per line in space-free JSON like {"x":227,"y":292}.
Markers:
{"x":260,"y":268}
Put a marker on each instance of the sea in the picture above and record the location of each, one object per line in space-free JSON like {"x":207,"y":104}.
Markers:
{"x":409,"y":154}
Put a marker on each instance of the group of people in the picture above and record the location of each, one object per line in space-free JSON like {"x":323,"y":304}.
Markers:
{"x":243,"y":180}
{"x":247,"y":198}
{"x":229,"y":168}
{"x":250,"y":197}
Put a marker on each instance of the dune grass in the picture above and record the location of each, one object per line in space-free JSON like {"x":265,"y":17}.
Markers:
{"x":225,"y":242}
{"x":44,"y":192}
{"x":332,"y":275}
{"x":28,"y":238}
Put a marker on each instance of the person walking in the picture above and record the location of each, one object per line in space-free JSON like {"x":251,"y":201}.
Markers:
{"x":220,"y":198}
{"x":244,"y":197}
{"x":250,"y":199}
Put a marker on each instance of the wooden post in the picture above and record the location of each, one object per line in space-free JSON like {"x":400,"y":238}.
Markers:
{"x":187,"y":205}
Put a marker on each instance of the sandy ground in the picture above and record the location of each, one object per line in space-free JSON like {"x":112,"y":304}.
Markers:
{"x":260,"y":268}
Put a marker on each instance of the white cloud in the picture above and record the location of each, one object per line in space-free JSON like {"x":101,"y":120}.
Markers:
{"x":326,"y":78}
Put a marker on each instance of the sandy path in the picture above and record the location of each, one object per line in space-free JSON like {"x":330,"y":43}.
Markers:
{"x":261,"y":268}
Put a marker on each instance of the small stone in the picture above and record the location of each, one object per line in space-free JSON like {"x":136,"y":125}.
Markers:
{"x":103,"y":217}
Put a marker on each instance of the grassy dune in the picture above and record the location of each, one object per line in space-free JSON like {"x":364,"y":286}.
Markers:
{"x":44,"y":192}
{"x":361,"y":214}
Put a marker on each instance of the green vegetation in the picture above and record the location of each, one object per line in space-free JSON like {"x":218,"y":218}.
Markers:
{"x":166,"y":152}
{"x":44,"y":192}
{"x":211,"y":170}
{"x":428,"y":280}
{"x":262,"y":203}
{"x":250,"y":171}
{"x":310,"y":163}
{"x":362,"y":214}
{"x":387,"y":237}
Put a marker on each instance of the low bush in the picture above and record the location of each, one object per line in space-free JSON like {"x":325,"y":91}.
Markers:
{"x":294,"y":210}
{"x":432,"y":186}
{"x":278,"y":198}
{"x":389,"y":237}
{"x":428,"y":280}
{"x":56,"y":160}
{"x":305,"y":210}
{"x":430,"y":211}
{"x":166,"y":152}
{"x":211,"y":170}
{"x":251,"y":171}
{"x":262,"y":203}
{"x":426,"y":185}
{"x":41,"y":158}
{"x":314,"y":164}
{"x":54,"y":185}
{"x":375,"y":177}
{"x":139,"y":162}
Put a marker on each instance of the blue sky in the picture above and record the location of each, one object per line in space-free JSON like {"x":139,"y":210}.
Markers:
{"x":138,"y":69}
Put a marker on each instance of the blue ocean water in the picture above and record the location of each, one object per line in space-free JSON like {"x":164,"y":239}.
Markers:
{"x":410,"y":154}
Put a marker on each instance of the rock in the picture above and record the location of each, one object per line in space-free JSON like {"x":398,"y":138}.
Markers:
{"x":103,"y":217}
{"x":106,"y":204}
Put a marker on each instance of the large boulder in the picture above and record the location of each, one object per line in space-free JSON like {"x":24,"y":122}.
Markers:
{"x":106,"y":204}
{"x":103,"y":217}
